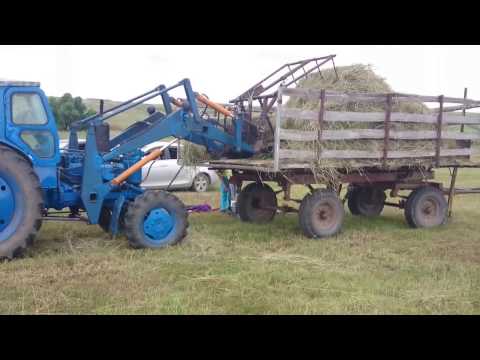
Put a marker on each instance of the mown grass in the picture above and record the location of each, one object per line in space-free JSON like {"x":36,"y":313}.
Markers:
{"x":375,"y":266}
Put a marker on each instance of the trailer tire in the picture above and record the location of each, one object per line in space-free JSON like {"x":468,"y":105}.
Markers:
{"x":366,"y":201}
{"x":251,"y":200}
{"x":155,"y":219}
{"x":21,"y":204}
{"x":321,"y":214}
{"x":426,"y":207}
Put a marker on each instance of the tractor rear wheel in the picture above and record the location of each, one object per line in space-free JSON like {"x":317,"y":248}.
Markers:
{"x":155,"y":219}
{"x":21,"y":204}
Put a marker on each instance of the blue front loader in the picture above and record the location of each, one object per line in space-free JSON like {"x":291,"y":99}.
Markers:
{"x":38,"y":181}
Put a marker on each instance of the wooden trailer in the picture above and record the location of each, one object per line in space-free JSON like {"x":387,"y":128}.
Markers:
{"x":377,"y":173}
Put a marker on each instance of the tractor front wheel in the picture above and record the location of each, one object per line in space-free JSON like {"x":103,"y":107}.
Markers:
{"x":155,"y":219}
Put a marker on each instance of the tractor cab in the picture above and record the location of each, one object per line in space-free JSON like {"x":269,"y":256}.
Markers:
{"x":28,"y":126}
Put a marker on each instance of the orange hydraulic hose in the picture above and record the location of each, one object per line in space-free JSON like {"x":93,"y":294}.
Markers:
{"x":176,"y":102}
{"x":219,"y":108}
{"x":138,"y":165}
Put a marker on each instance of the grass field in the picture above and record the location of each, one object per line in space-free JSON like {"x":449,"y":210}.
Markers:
{"x":377,"y":266}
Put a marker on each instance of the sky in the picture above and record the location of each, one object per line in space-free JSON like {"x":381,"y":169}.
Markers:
{"x":224,"y":72}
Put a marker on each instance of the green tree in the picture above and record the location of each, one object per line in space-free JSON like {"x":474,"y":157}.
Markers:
{"x":68,"y":109}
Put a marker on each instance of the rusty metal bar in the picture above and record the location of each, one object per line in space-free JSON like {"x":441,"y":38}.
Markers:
{"x":397,"y":205}
{"x":451,"y":192}
{"x":252,"y":90}
{"x":386,"y":138}
{"x":307,"y":72}
{"x":439,"y":131}
{"x":461,"y":191}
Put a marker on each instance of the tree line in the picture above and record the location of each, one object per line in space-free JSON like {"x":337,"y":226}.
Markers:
{"x":68,"y":109}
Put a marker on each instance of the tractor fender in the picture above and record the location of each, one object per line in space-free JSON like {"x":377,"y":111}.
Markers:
{"x":17,"y":150}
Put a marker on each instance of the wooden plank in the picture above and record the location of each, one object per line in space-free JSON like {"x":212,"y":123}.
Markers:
{"x":458,"y":118}
{"x":304,"y":155}
{"x":348,"y":116}
{"x":356,"y":96}
{"x":310,"y":94}
{"x":457,"y":107}
{"x":373,"y":134}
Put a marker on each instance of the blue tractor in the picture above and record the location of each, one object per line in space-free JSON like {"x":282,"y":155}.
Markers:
{"x":99,"y":182}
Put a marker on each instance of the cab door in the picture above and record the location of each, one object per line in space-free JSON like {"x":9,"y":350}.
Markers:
{"x":31,"y":128}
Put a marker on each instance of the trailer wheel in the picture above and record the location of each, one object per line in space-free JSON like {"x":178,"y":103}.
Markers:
{"x":426,"y":207}
{"x":257,"y":203}
{"x":366,"y":200}
{"x":155,"y":219}
{"x":21,"y":204}
{"x":321,"y":214}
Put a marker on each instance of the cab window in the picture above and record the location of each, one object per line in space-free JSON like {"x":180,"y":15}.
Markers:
{"x":173,"y":152}
{"x":27,"y":109}
{"x":42,"y":143}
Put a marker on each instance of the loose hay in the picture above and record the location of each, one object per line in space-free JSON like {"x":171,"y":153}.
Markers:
{"x":357,"y":79}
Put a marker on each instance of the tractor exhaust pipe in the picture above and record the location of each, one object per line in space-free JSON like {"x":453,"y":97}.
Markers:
{"x":139,"y":164}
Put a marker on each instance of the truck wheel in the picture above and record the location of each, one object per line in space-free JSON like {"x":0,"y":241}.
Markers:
{"x":257,"y":203}
{"x":366,"y":200}
{"x":321,"y":214}
{"x":155,"y":219}
{"x":201,"y":182}
{"x":21,"y":204}
{"x":426,"y":207}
